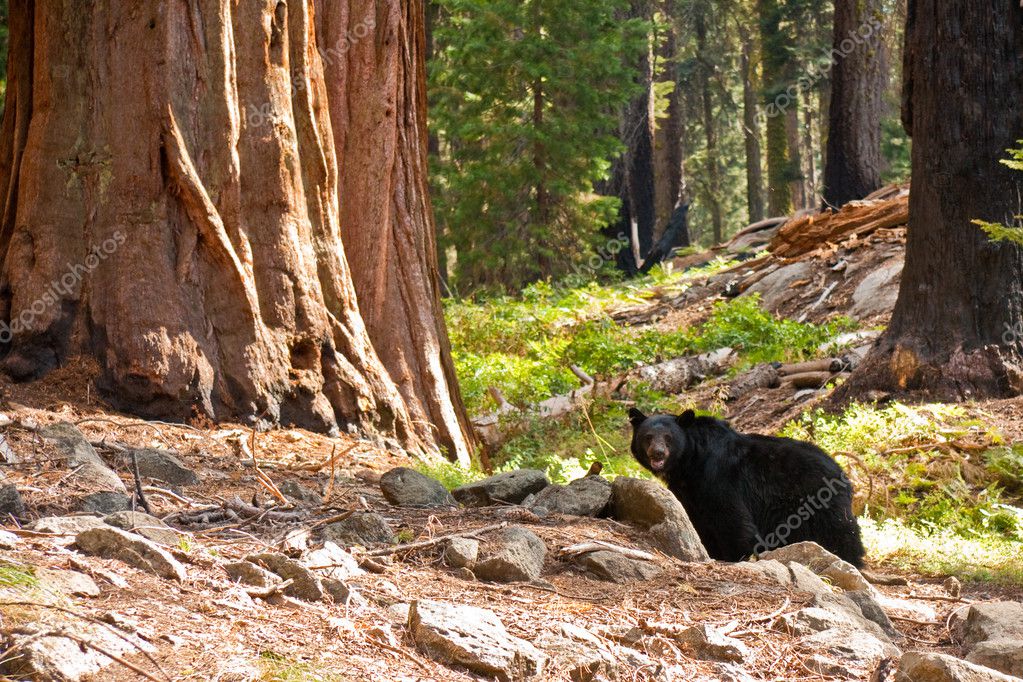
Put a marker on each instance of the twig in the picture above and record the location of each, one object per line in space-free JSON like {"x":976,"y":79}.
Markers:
{"x":774,"y":614}
{"x":601,"y":546}
{"x":168,"y":493}
{"x":138,"y":483}
{"x":267,"y":592}
{"x":435,"y":541}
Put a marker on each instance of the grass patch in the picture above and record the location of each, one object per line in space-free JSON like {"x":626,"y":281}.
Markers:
{"x":17,"y":577}
{"x":278,"y":668}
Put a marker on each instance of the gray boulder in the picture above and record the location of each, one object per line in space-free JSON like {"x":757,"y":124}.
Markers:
{"x":145,"y":525}
{"x":653,"y":507}
{"x":248,"y":573}
{"x":473,"y":638}
{"x":776,"y":288}
{"x":404,"y":487}
{"x":1003,"y":655}
{"x":330,"y":561}
{"x":11,"y":502}
{"x":708,"y":644}
{"x":922,"y":666}
{"x":66,"y":582}
{"x":300,"y":494}
{"x":103,"y":503}
{"x":822,"y":562}
{"x":163,"y":466}
{"x":305,"y":584}
{"x":461,"y":552}
{"x":81,"y":457}
{"x":510,"y":555}
{"x":987,"y":622}
{"x":587,"y":496}
{"x":361,"y":528}
{"x":616,"y":567}
{"x":877,"y":293}
{"x":65,"y":525}
{"x":511,"y":487}
{"x":134,"y":550}
{"x":843,"y":652}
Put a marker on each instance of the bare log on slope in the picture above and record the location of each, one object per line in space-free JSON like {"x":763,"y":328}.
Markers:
{"x":672,"y":376}
{"x":801,"y":235}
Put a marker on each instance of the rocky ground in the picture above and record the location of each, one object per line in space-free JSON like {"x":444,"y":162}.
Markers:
{"x":379,"y":573}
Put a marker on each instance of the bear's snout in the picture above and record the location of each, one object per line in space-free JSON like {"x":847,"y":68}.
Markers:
{"x":658,"y":457}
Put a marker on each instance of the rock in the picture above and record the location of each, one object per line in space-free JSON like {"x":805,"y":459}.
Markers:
{"x":11,"y":503}
{"x":134,"y":550}
{"x":510,"y":555}
{"x":877,"y":293}
{"x":300,"y":494}
{"x":66,"y":582}
{"x":8,"y":540}
{"x":81,"y":457}
{"x":472,"y":638}
{"x":364,"y":529}
{"x":822,"y":562}
{"x":330,"y":561}
{"x":461,"y":552}
{"x":872,"y":611}
{"x":652,"y":506}
{"x":145,"y":525}
{"x":27,"y":656}
{"x":987,"y":622}
{"x":812,"y":620}
{"x":510,"y":487}
{"x":922,"y":666}
{"x":305,"y":586}
{"x":104,"y":503}
{"x":1003,"y":655}
{"x":248,"y":573}
{"x":407,"y":488}
{"x":163,"y":466}
{"x":617,"y":568}
{"x":65,"y":525}
{"x":843,"y":652}
{"x":708,"y":644}
{"x":583,"y":497}
{"x":776,"y":288}
{"x":341,"y":593}
{"x":584,"y":657}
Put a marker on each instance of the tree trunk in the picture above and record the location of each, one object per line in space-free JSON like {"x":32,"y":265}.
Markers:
{"x":634,"y":175}
{"x":957,"y":328}
{"x":710,"y":132}
{"x":852,"y":168}
{"x":174,"y":211}
{"x":670,"y":155}
{"x":376,"y":87}
{"x":796,"y":174}
{"x":751,"y":132}
{"x":777,"y":101}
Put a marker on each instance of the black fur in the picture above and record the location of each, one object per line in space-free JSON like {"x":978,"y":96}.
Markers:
{"x":747,"y":494}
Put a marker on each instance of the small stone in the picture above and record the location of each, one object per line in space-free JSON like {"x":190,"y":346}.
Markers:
{"x":812,"y":620}
{"x":65,"y":525}
{"x":81,"y":458}
{"x":305,"y":584}
{"x":587,"y":496}
{"x":708,"y":644}
{"x":653,"y":507}
{"x":8,"y":540}
{"x":922,"y":666}
{"x":331,"y":561}
{"x":362,"y":528}
{"x":510,"y":555}
{"x":617,"y":568}
{"x":248,"y":573}
{"x":404,"y":487}
{"x":461,"y":552}
{"x":473,"y":638}
{"x":343,"y":594}
{"x":104,"y":503}
{"x":134,"y":550}
{"x":11,"y":503}
{"x":163,"y":466}
{"x":145,"y":525}
{"x":300,"y":494}
{"x":510,"y":487}
{"x":71,"y":583}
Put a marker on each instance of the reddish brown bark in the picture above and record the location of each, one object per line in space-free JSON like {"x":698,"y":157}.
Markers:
{"x":192,"y":145}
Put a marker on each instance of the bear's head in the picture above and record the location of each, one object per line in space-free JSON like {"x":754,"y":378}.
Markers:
{"x":655,"y":440}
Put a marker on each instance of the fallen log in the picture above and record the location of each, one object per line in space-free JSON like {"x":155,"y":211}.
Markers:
{"x":809,"y":380}
{"x":804,"y":234}
{"x":828,"y":365}
{"x":672,"y":377}
{"x":761,"y":376}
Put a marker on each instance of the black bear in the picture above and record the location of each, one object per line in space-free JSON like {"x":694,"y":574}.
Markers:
{"x":747,"y":494}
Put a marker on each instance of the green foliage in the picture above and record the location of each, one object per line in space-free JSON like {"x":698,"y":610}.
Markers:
{"x":1001,"y":232}
{"x":279,"y":668}
{"x":12,"y":575}
{"x":524,"y":103}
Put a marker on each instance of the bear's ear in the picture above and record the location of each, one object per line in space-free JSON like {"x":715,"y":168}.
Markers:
{"x":636,"y":417}
{"x":686,"y":418}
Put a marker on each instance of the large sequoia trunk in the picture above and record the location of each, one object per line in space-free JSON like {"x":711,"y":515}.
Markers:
{"x":377,"y":95}
{"x":852,"y":167}
{"x":957,"y":328}
{"x":172,"y":208}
